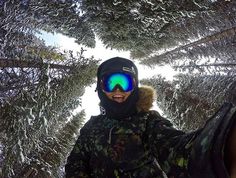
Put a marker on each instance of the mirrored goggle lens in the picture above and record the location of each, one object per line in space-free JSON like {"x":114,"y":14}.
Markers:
{"x":124,"y":81}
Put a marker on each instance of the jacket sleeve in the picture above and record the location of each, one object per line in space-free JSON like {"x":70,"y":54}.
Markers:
{"x":78,"y":161}
{"x":171,"y":147}
{"x":195,"y":154}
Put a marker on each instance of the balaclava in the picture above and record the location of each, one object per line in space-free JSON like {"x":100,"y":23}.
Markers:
{"x":111,"y":108}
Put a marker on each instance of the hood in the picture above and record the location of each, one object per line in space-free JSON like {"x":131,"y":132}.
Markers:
{"x":146,"y":97}
{"x":111,"y":108}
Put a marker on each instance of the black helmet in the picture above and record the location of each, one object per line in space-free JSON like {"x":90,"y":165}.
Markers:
{"x":113,"y":109}
{"x":117,"y":64}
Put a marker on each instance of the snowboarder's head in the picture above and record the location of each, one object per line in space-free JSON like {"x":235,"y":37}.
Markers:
{"x":117,"y":85}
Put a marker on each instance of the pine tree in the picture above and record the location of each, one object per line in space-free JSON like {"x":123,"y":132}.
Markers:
{"x":54,"y":151}
{"x":191,"y":99}
{"x":136,"y":25}
{"x":166,"y":32}
{"x":54,"y":16}
{"x":219,"y":46}
{"x":31,"y":116}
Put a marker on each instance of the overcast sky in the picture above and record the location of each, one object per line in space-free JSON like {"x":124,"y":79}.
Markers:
{"x":90,"y":99}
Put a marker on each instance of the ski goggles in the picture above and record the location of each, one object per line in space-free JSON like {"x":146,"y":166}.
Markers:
{"x":123,"y":81}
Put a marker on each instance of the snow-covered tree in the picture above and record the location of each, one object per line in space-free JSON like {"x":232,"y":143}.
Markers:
{"x":52,"y":16}
{"x":47,"y":162}
{"x":36,"y":113}
{"x":138,"y":25}
{"x":191,"y":99}
{"x":40,"y":85}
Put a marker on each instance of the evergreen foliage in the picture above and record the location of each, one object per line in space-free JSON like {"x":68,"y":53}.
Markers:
{"x":30,"y":116}
{"x":47,"y":162}
{"x":40,"y":85}
{"x":52,"y":16}
{"x":192,"y":99}
{"x":137,"y":25}
{"x":147,"y":28}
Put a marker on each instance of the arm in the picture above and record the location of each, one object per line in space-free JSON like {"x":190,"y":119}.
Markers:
{"x":202,"y":153}
{"x":170,"y":146}
{"x":78,"y":161}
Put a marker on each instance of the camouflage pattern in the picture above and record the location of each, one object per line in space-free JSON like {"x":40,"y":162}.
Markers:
{"x":143,"y":146}
{"x":207,"y":155}
{"x":110,"y":148}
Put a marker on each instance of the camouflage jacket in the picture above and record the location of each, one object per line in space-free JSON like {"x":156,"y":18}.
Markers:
{"x":147,"y":146}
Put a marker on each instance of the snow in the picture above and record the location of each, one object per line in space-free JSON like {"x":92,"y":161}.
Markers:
{"x":117,"y":2}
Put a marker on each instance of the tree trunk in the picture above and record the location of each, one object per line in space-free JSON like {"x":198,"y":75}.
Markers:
{"x":208,"y":39}
{"x":208,"y":65}
{"x":4,"y":62}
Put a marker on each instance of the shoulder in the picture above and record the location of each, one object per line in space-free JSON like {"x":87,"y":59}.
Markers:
{"x":154,"y":119}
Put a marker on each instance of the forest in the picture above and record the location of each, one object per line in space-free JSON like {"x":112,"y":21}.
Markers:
{"x":41,"y":85}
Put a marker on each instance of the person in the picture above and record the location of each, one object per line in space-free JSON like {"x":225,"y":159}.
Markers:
{"x":128,"y":140}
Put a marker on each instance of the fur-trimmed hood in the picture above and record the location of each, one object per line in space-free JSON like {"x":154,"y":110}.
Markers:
{"x":147,"y":95}
{"x":146,"y":98}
